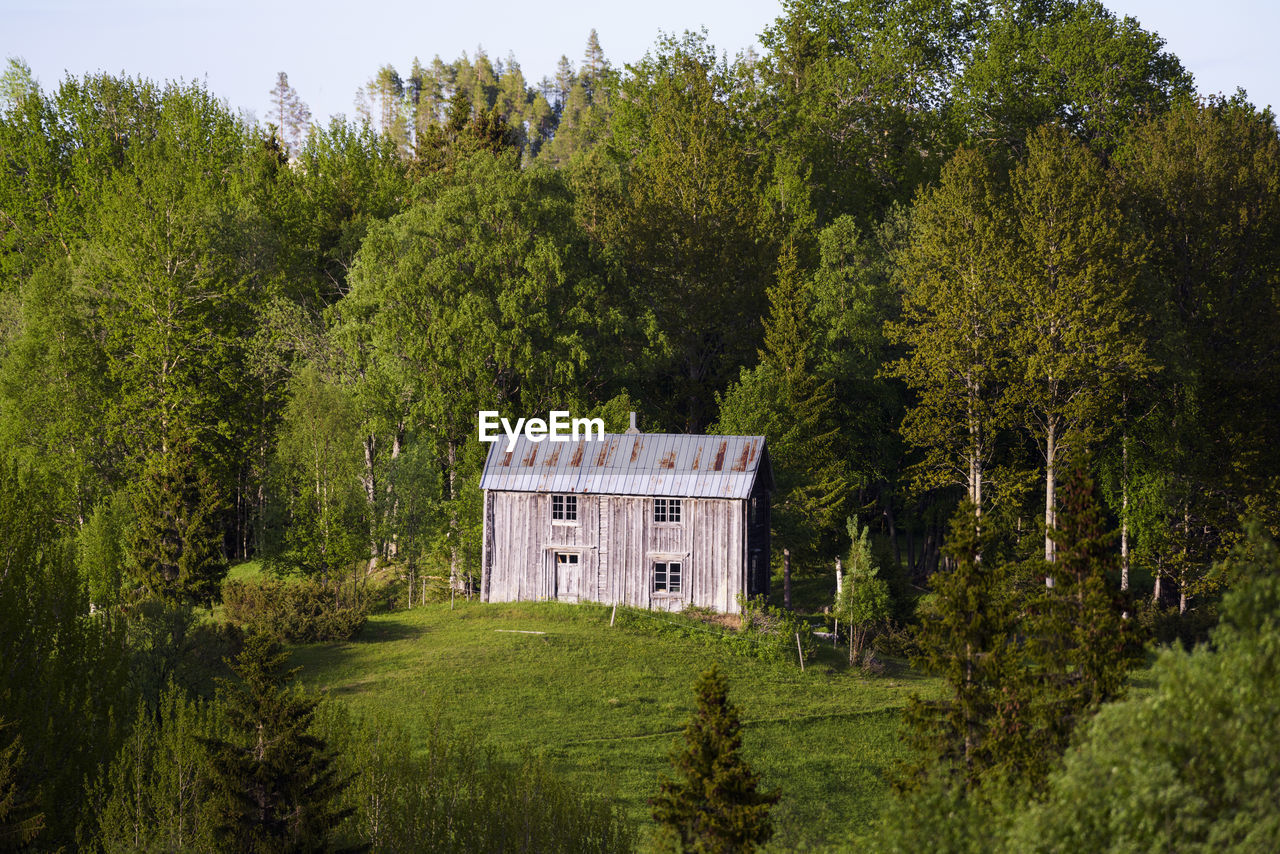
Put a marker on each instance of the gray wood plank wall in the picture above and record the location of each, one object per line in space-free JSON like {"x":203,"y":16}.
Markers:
{"x":617,"y":542}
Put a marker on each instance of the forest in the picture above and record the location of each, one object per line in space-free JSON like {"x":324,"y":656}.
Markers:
{"x":999,"y":285}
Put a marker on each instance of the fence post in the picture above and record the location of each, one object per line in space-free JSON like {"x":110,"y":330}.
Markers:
{"x":800,"y":650}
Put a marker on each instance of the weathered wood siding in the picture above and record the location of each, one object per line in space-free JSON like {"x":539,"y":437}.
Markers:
{"x":617,"y":542}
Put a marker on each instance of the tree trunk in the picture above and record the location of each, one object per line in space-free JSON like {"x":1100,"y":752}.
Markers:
{"x":893,"y":527}
{"x":454,"y":573}
{"x":392,"y":500}
{"x":1124,"y":513}
{"x":370,"y":492}
{"x":1050,"y":505}
{"x":839,"y":578}
{"x":786,"y":578}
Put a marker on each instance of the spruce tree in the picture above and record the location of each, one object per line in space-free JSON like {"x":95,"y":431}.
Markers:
{"x":969,"y":641}
{"x":176,"y":544}
{"x":1079,"y":643}
{"x":291,"y":113}
{"x":715,"y":804}
{"x":20,"y":821}
{"x":784,"y":399}
{"x":276,"y":784}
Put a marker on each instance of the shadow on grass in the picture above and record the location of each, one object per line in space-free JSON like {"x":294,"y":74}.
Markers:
{"x":390,"y":627}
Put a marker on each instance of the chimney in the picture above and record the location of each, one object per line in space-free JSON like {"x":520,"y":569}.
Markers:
{"x":633,"y":429}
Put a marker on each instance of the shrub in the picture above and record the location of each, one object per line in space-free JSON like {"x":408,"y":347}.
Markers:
{"x":299,"y":611}
{"x":770,"y":632}
{"x":458,"y":796}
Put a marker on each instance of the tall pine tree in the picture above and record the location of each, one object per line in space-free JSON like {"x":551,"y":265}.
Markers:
{"x":275,"y":782}
{"x":716,"y":804}
{"x":784,"y":400}
{"x":969,"y":641}
{"x":1079,"y":643}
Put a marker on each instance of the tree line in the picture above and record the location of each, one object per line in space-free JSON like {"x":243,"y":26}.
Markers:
{"x":937,"y":253}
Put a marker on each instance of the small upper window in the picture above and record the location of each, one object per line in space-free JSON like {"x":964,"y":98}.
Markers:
{"x":564,"y":508}
{"x":666,"y":509}
{"x":666,"y":577}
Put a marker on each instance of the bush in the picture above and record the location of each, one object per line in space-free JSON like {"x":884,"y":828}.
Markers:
{"x":457,"y":796}
{"x":769,"y":632}
{"x":298,"y":611}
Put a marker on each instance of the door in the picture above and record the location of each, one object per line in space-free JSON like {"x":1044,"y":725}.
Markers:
{"x":568,"y":576}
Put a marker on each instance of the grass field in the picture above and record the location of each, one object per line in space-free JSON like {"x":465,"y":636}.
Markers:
{"x":604,"y":705}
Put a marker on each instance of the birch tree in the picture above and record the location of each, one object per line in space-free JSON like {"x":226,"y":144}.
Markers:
{"x":1073,"y":338}
{"x":956,"y":313}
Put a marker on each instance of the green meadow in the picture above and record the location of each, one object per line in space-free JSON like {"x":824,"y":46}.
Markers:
{"x":603,"y":705}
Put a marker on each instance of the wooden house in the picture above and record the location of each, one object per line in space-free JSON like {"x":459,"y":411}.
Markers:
{"x":650,"y":520}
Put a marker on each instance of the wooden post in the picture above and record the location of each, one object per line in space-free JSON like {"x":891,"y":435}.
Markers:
{"x":452,"y":591}
{"x":800,"y":650}
{"x":614,"y":614}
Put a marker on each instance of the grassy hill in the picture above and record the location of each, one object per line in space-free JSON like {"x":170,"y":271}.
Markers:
{"x":604,"y":705}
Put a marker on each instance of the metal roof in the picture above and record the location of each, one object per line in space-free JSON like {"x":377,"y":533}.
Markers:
{"x":640,"y":464}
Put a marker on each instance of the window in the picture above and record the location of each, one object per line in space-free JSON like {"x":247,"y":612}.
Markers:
{"x":564,"y":508}
{"x":567,"y":560}
{"x":666,"y":577}
{"x":666,"y":509}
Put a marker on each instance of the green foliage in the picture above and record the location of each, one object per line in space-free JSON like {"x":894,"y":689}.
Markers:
{"x":859,"y":96}
{"x":62,"y":672}
{"x":323,"y":524}
{"x":296,"y":610}
{"x":785,"y":401}
{"x":175,"y":545}
{"x":101,"y":551}
{"x":863,"y":600}
{"x":688,"y":225}
{"x":273,"y":782}
{"x":457,"y":796}
{"x":1191,"y":765}
{"x":953,"y":327}
{"x":1080,"y":642}
{"x":715,"y":804}
{"x":175,"y":645}
{"x":769,"y":633}
{"x":20,"y":823}
{"x":156,"y":794}
{"x":969,"y":640}
{"x":1064,"y":62}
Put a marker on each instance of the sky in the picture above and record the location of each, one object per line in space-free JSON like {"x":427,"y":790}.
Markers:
{"x":329,"y":49}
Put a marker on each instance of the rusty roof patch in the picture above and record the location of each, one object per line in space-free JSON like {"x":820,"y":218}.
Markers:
{"x":653,"y":464}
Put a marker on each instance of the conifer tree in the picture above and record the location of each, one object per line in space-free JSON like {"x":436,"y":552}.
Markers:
{"x":786,"y":401}
{"x":969,"y":641}
{"x":716,"y":804}
{"x":1080,"y":645}
{"x":275,"y":783}
{"x":20,"y":822}
{"x":175,"y":545}
{"x":291,"y":114}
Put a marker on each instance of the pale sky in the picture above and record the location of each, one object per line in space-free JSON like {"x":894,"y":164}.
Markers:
{"x":329,"y":49}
